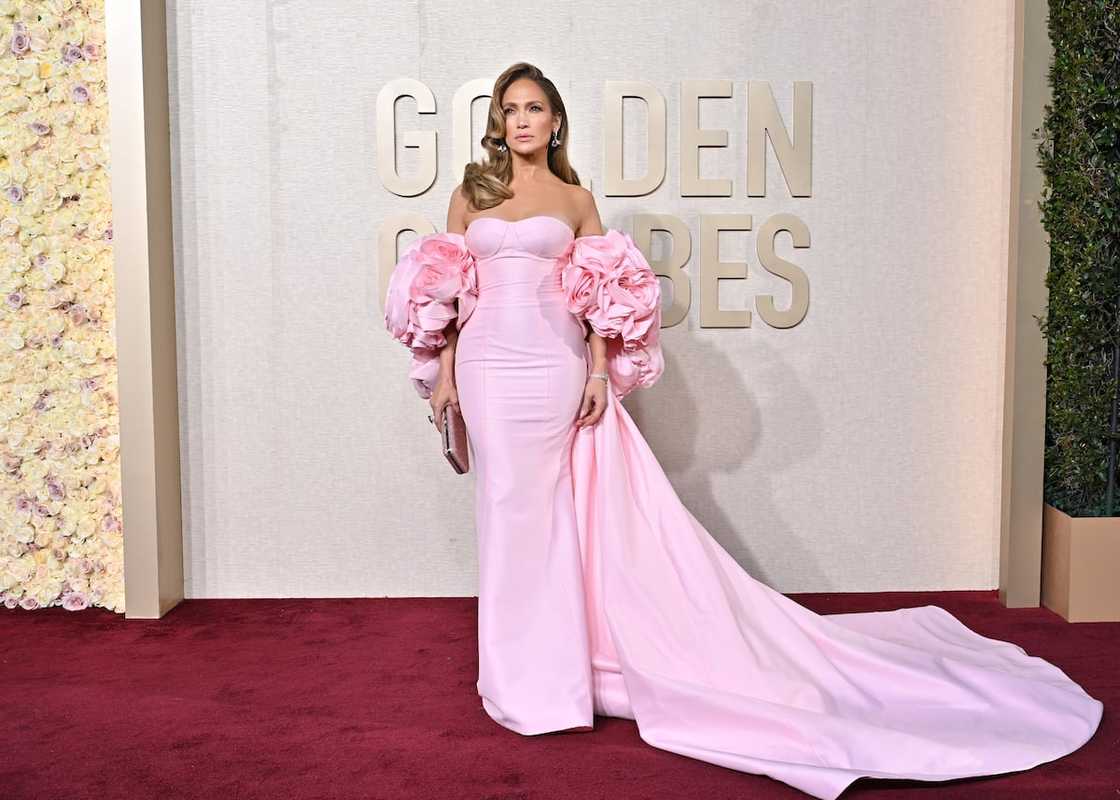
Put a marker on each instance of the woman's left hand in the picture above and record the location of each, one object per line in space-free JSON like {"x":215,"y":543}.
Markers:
{"x":594,"y":402}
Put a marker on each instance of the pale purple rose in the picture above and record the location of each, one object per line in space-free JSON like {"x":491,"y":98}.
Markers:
{"x":78,"y":314}
{"x":41,"y":260}
{"x":75,"y":601}
{"x":28,"y":603}
{"x":21,"y":43}
{"x":71,"y":54}
{"x":24,"y":504}
{"x":91,"y":51}
{"x":79,"y":93}
{"x":110,"y":523}
{"x":14,"y":193}
{"x":40,"y":128}
{"x":16,"y":300}
{"x":11,"y":601}
{"x":56,"y":489}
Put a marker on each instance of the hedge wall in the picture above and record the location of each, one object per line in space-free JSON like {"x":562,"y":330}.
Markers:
{"x":1079,"y":154}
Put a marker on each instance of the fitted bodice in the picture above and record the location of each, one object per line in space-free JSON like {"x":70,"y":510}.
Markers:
{"x":541,"y":236}
{"x":517,"y":260}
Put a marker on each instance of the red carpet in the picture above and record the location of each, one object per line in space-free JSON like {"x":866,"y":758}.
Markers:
{"x":375,"y":698}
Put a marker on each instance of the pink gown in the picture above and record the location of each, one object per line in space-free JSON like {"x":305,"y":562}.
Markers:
{"x":600,"y":593}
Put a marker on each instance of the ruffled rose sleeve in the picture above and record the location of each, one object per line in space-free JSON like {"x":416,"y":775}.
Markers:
{"x":433,"y":283}
{"x":609,"y":284}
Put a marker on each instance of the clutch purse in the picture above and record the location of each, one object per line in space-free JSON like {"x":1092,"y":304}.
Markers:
{"x":455,"y":439}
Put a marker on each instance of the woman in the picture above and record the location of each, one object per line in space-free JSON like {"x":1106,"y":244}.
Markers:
{"x":599,"y":592}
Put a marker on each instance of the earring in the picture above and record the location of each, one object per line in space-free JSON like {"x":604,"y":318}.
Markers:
{"x":501,"y":145}
{"x":555,"y":142}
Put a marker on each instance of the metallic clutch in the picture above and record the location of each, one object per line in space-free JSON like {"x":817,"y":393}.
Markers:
{"x":455,"y":447}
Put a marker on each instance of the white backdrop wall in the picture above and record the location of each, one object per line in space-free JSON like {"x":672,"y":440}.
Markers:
{"x":857,"y":451}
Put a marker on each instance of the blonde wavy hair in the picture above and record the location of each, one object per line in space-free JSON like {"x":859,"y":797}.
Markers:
{"x":486,"y":183}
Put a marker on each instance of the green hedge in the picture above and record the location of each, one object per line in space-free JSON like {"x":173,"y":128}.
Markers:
{"x":1079,"y":150}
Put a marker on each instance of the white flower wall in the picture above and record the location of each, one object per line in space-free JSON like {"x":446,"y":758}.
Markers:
{"x":60,"y":518}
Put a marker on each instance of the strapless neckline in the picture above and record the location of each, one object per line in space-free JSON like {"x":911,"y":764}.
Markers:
{"x":523,"y":219}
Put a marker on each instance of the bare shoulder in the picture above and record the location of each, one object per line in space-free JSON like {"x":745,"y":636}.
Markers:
{"x":582,"y":198}
{"x":457,"y":211}
{"x":586,"y":212}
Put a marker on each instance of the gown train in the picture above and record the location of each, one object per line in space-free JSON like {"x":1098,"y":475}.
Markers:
{"x":600,"y":593}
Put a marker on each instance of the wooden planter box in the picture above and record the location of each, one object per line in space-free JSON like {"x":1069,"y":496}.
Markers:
{"x":1081,"y":566}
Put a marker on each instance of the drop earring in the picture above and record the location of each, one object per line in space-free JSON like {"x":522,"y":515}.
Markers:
{"x":555,"y":142}
{"x":502,"y":146}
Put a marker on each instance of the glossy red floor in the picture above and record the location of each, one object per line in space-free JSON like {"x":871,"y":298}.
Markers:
{"x":375,"y":698}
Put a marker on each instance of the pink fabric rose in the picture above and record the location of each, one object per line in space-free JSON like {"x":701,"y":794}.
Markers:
{"x":448,"y":275}
{"x":444,"y":264}
{"x":608,"y":282}
{"x":633,"y":365}
{"x":423,"y":370}
{"x":433,"y":283}
{"x":399,"y":313}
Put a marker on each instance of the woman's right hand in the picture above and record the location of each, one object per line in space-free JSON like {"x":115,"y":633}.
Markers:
{"x":443,"y":394}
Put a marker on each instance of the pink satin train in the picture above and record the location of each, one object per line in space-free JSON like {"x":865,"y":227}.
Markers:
{"x":600,"y":593}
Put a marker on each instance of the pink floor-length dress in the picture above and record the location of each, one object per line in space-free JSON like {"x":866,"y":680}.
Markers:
{"x":520,"y":370}
{"x":600,"y":593}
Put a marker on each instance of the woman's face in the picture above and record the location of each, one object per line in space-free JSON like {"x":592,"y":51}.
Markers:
{"x":529,"y":121}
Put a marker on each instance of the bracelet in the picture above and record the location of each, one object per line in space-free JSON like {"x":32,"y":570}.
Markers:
{"x":601,"y":375}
